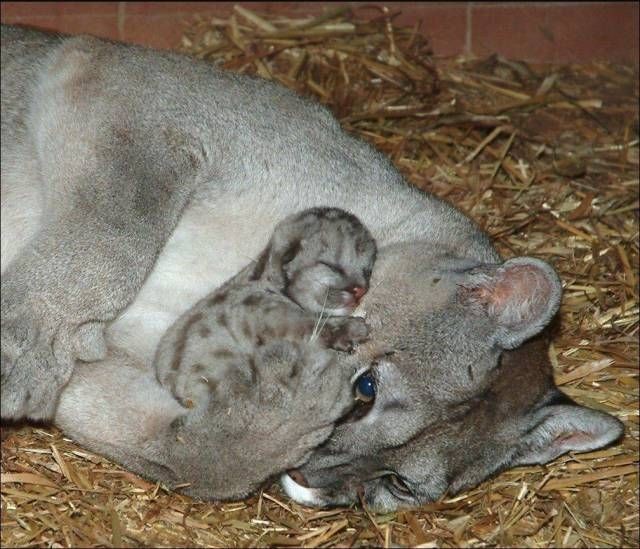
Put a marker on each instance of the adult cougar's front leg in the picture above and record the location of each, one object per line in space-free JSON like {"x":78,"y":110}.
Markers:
{"x":257,"y":424}
{"x":114,"y":185}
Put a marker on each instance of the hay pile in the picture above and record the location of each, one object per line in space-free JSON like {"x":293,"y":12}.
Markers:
{"x":546,"y":160}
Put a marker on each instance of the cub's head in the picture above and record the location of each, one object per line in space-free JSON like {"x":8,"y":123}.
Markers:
{"x":454,"y":386}
{"x":321,"y":258}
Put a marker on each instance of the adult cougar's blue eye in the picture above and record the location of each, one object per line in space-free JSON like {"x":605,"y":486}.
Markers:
{"x":365,"y":387}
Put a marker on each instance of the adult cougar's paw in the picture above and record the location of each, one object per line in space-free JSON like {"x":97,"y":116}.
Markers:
{"x":344,"y":334}
{"x":89,"y":343}
{"x":302,"y":392}
{"x":33,"y":370}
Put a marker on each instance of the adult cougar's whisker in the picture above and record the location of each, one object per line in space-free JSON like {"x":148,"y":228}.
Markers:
{"x":376,"y":286}
{"x":249,"y":258}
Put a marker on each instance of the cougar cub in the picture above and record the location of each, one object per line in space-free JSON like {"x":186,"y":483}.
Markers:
{"x":320,"y":258}
{"x":317,"y":264}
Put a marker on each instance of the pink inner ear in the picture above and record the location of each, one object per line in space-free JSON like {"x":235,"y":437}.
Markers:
{"x":576,"y":439}
{"x":518,"y":293}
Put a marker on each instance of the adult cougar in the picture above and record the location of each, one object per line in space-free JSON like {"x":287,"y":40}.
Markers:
{"x":134,"y":182}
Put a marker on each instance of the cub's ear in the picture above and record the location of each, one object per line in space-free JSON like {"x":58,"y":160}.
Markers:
{"x":284,"y":245}
{"x":557,"y":429}
{"x":519,"y":296}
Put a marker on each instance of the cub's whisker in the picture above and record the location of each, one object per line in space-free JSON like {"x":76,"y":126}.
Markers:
{"x":316,"y":330}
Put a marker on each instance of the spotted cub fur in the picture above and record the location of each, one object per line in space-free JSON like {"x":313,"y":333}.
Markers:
{"x":316,"y":266}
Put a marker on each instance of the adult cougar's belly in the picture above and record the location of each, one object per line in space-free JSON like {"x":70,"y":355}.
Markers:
{"x":210,"y":244}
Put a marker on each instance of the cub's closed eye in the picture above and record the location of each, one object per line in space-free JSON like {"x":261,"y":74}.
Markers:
{"x":335,"y":268}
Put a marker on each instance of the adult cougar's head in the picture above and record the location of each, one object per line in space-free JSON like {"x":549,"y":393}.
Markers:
{"x":448,"y":394}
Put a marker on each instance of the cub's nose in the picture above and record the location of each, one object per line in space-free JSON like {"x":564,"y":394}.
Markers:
{"x":357,"y":292}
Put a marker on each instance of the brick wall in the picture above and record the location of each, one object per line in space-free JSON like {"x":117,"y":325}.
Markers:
{"x":539,"y":32}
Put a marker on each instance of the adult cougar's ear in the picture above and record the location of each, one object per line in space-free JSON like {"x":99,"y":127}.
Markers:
{"x":555,"y":429}
{"x":519,"y":297}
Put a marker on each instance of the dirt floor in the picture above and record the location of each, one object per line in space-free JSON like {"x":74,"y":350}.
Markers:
{"x":546,"y":160}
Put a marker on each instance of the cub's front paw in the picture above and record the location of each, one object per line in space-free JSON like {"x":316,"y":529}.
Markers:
{"x":32,"y":373}
{"x":345,"y":333}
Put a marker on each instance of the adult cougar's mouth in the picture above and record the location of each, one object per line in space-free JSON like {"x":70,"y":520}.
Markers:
{"x":299,"y":493}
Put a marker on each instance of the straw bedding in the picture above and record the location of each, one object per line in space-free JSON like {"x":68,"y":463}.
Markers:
{"x":546,"y":160}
